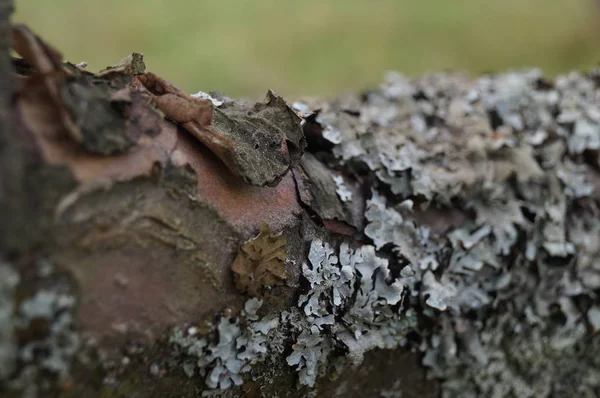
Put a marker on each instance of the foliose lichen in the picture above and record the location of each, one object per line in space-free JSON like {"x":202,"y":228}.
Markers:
{"x":229,"y":350}
{"x":9,"y":280}
{"x":43,"y":321}
{"x":353,"y":303}
{"x":510,"y":292}
{"x":504,"y":301}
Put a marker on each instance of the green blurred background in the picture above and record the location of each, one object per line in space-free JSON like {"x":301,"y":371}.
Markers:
{"x":311,"y":47}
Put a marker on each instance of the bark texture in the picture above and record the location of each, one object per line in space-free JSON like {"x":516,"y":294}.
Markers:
{"x":428,"y":237}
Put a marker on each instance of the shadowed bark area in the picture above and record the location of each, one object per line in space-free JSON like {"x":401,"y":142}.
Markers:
{"x":437,"y":237}
{"x":10,"y":155}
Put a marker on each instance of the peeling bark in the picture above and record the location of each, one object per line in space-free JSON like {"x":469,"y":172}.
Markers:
{"x":160,"y":244}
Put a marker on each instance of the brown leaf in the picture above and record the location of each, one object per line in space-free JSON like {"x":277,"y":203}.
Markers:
{"x":47,"y":62}
{"x":176,"y":104}
{"x":34,"y":50}
{"x":260,"y":264}
{"x":266,"y":138}
{"x":192,"y":113}
{"x":105,"y":113}
{"x":258,"y":142}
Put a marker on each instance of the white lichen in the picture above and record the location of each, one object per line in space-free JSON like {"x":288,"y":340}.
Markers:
{"x":61,"y":343}
{"x":516,"y":154}
{"x":341,"y":189}
{"x":8,"y":347}
{"x":504,"y":283}
{"x":208,"y":97}
{"x":358,"y":287}
{"x":45,"y":317}
{"x":235,"y":348}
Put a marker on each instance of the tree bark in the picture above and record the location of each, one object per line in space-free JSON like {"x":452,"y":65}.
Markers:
{"x":427,"y":237}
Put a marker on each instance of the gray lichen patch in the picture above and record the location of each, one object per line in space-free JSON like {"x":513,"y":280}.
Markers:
{"x":509,"y":357}
{"x":341,"y":189}
{"x":353,"y":304}
{"x":503,"y":302}
{"x":223,"y":356}
{"x":38,"y":338}
{"x":9,"y":280}
{"x":510,"y":295}
{"x":206,"y":96}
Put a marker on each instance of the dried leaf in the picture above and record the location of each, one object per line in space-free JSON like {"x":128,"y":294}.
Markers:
{"x":258,"y":142}
{"x":102,"y":112}
{"x":260,"y":264}
{"x":111,"y":113}
{"x":47,"y":62}
{"x":192,"y":113}
{"x":265,"y":139}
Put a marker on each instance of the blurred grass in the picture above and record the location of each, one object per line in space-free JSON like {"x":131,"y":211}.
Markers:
{"x":312,"y":47}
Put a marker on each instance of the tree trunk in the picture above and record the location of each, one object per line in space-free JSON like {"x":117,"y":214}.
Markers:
{"x":436,"y":236}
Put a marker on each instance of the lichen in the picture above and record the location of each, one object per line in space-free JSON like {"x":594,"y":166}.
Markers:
{"x":353,"y":304}
{"x":342,"y":190}
{"x":233,"y":346}
{"x":509,"y":295}
{"x":501,"y":301}
{"x":8,"y":347}
{"x":202,"y":95}
{"x":43,"y":320}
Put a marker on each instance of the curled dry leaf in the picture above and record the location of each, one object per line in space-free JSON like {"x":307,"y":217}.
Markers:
{"x":105,"y":113}
{"x":47,"y":61}
{"x":258,"y":142}
{"x":267,"y":138}
{"x":260,"y":263}
{"x":192,"y":113}
{"x":122,"y":111}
